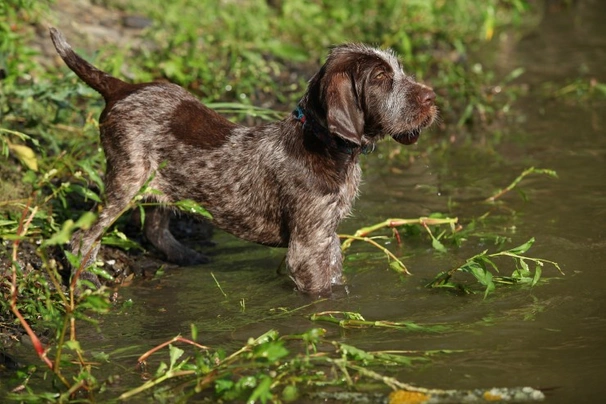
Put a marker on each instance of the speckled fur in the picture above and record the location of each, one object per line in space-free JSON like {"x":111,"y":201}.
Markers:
{"x":277,"y":184}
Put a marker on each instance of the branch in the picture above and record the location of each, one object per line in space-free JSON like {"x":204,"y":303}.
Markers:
{"x":515,"y":182}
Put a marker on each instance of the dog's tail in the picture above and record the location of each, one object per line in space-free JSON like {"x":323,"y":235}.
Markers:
{"x":102,"y":82}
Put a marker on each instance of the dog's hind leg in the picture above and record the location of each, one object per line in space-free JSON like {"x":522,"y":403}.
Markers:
{"x":157,"y":232}
{"x":86,"y":243}
{"x":119,"y":192}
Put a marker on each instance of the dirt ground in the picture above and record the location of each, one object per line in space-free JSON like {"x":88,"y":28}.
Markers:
{"x":89,"y":26}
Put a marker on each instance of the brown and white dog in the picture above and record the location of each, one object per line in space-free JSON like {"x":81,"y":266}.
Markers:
{"x":282,"y":184}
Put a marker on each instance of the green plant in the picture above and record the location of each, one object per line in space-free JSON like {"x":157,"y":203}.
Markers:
{"x":482,"y":266}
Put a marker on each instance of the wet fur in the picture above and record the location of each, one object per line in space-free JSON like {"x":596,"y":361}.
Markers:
{"x":281,"y":184}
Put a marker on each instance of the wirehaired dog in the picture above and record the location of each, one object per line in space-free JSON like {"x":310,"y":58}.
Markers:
{"x":283,"y":184}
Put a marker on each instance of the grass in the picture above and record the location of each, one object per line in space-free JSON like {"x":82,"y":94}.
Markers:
{"x":243,"y":58}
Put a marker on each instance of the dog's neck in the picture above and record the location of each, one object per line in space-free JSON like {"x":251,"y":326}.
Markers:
{"x":323,"y":134}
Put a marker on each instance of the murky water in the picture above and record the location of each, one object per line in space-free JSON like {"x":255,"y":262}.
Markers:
{"x":551,"y":336}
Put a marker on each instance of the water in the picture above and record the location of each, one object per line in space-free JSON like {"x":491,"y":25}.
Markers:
{"x":551,"y":336}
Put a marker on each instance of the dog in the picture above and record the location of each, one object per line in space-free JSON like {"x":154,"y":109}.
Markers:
{"x":282,"y":184}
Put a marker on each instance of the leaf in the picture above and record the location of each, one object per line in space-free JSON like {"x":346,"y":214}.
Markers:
{"x":85,"y":192}
{"x":73,"y":259}
{"x":397,"y":266}
{"x":101,"y":357}
{"x":263,"y":391}
{"x":270,"y":335}
{"x":100,"y":272}
{"x":399,"y":359}
{"x":25,"y":154}
{"x":223,"y":385}
{"x":142,"y":215}
{"x":478,"y":272}
{"x":290,"y":393}
{"x":272,"y":351}
{"x":546,"y":171}
{"x":73,"y":345}
{"x":521,"y":249}
{"x":92,"y":174}
{"x":524,"y":267}
{"x":62,"y":236}
{"x":601,"y":87}
{"x":514,"y":74}
{"x":489,"y":285}
{"x":537,"y":275}
{"x":96,"y":303}
{"x":119,"y":239}
{"x":466,"y":115}
{"x":246,"y":382}
{"x":85,"y":221}
{"x":485,"y":260}
{"x":437,"y":245}
{"x":188,"y":205}
{"x":194,"y":332}
{"x":355,"y":353}
{"x":161,"y":369}
{"x":175,"y":353}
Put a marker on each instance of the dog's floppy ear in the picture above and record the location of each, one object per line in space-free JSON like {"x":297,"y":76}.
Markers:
{"x":344,"y":117}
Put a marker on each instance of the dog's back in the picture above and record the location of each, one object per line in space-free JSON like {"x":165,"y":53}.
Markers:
{"x":159,"y":131}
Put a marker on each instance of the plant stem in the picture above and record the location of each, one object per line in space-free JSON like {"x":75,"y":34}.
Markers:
{"x":392,"y":223}
{"x":380,"y":247}
{"x":519,"y":178}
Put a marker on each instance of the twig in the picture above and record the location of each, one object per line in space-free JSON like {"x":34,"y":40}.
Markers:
{"x":401,"y":267}
{"x":178,"y":338}
{"x":22,"y":230}
{"x":355,"y":320}
{"x":520,"y":177}
{"x":393,"y":223}
{"x":154,"y":382}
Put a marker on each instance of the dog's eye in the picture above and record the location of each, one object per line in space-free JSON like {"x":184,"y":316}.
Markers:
{"x":380,"y":76}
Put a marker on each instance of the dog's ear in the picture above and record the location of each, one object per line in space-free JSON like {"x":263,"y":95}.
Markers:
{"x":344,"y":116}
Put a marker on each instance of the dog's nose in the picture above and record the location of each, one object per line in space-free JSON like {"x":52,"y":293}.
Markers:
{"x":427,"y":96}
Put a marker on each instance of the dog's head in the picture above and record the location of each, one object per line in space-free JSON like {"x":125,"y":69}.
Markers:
{"x":362,"y":93}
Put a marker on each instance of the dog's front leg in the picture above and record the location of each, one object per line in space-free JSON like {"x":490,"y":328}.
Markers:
{"x":315,"y":262}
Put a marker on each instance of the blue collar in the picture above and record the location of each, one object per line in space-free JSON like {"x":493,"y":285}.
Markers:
{"x":325,"y":137}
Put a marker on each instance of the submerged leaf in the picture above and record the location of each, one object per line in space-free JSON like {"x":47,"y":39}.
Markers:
{"x":355,"y":353}
{"x":437,"y":245}
{"x":489,"y":284}
{"x":398,"y":267}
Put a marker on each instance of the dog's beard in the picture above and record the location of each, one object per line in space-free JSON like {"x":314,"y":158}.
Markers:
{"x":408,"y":137}
{"x":412,"y":135}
